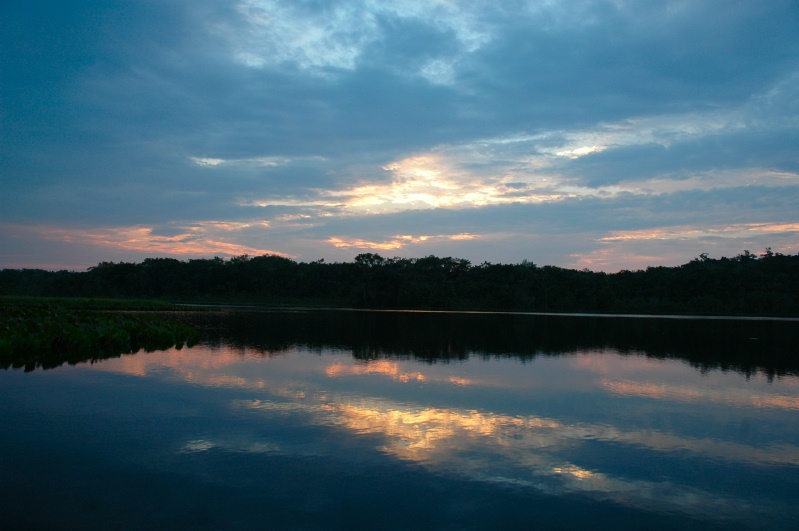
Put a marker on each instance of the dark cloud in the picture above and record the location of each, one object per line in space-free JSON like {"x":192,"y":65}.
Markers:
{"x":609,"y":62}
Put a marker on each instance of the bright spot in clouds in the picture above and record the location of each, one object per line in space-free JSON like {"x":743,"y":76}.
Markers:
{"x":397,"y":242}
{"x":579,"y":152}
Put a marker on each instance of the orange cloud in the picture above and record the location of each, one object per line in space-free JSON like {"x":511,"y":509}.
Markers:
{"x":363,"y":244}
{"x":397,"y":242}
{"x":199,"y":239}
{"x":688,"y":232}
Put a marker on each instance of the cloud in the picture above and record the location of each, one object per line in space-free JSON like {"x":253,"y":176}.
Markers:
{"x":200,"y":240}
{"x":398,"y":241}
{"x":510,"y":121}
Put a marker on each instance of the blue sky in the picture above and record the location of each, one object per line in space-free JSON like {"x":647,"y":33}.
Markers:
{"x":604,"y":135}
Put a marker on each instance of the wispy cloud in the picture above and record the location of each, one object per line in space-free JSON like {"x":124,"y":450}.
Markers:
{"x":201,"y":239}
{"x":687,"y":232}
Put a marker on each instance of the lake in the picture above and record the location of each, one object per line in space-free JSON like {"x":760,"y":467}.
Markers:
{"x":317,"y":419}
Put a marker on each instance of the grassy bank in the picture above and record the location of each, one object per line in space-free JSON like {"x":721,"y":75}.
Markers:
{"x":45,"y":333}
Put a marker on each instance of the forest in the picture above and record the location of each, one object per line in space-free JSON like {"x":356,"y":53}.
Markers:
{"x":746,"y":284}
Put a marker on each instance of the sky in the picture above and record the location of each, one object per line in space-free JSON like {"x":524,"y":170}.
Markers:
{"x":605,"y":135}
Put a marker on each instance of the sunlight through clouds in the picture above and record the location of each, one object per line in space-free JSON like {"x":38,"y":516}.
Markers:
{"x":363,"y":244}
{"x":444,"y":180}
{"x":440,"y":181}
{"x":437,"y":181}
{"x":397,"y":242}
{"x":529,"y":169}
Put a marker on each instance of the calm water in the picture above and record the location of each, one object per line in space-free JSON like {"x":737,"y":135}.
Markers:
{"x":369,"y":420}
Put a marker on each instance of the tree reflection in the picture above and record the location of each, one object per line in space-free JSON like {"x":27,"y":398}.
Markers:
{"x":746,"y":346}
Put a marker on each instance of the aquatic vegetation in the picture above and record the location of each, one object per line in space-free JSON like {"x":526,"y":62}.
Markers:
{"x":46,"y":336}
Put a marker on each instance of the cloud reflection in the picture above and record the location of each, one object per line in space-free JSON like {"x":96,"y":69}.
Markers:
{"x":528,"y":451}
{"x":386,"y":368}
{"x":482,"y":444}
{"x":732,"y":397}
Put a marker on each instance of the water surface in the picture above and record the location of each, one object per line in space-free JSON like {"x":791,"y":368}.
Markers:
{"x":333,"y":420}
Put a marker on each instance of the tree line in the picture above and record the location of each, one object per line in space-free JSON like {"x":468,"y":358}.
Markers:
{"x":746,"y":284}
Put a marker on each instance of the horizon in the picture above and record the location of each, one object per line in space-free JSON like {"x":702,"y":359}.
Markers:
{"x":582,"y":134}
{"x":702,"y":257}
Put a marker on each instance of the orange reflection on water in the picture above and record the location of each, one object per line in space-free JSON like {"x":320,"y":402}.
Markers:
{"x":575,"y":471}
{"x":412,"y":429}
{"x":224,"y":380}
{"x":385,"y":368}
{"x":427,"y":434}
{"x":598,"y":362}
{"x":185,"y":361}
{"x":198,"y":365}
{"x":437,"y":435}
{"x":526,"y":449}
{"x":729,"y":396}
{"x":477,"y":444}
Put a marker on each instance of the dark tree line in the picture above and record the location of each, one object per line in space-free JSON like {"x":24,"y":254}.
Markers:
{"x":746,"y":284}
{"x":749,"y":347}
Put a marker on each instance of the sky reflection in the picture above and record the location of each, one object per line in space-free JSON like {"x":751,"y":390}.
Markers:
{"x":525,"y":425}
{"x":732,"y":397}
